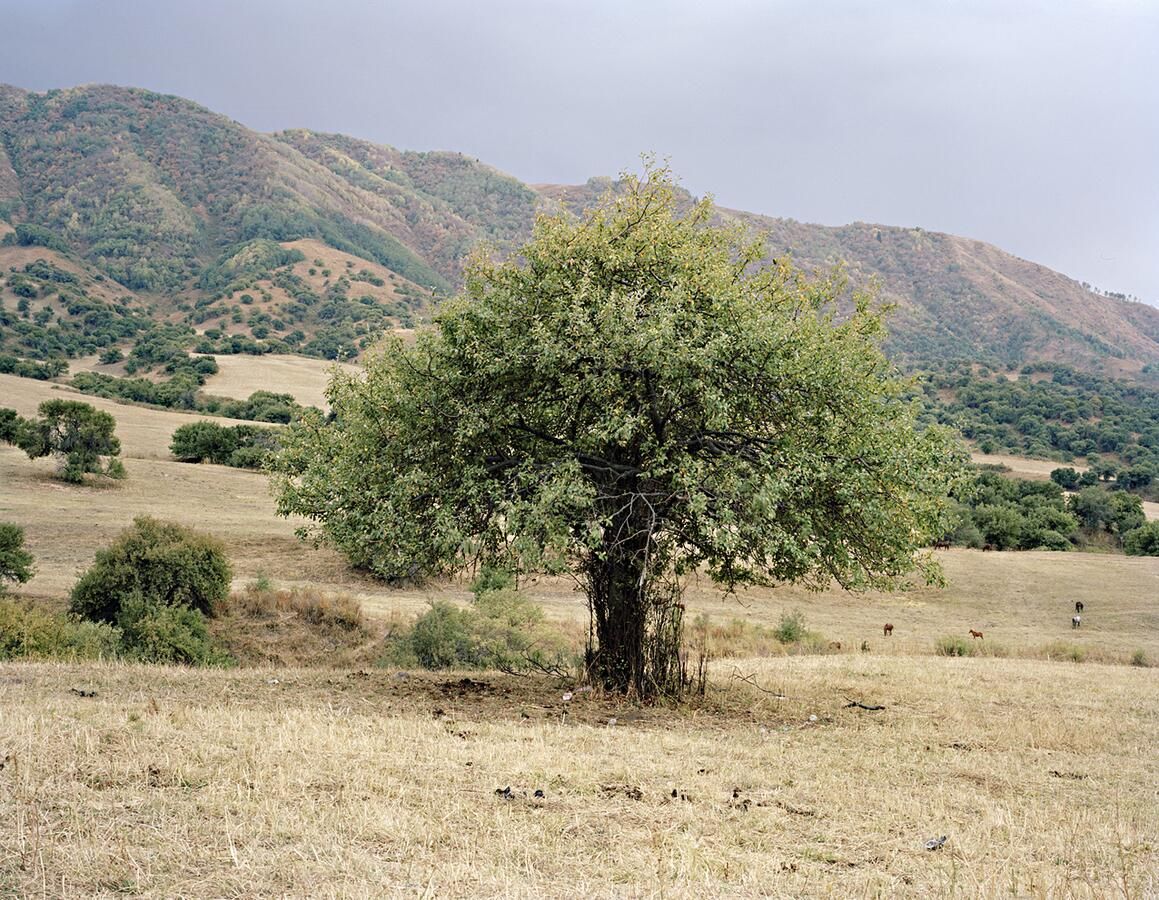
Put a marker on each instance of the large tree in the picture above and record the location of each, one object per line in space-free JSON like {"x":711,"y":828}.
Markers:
{"x":634,"y":397}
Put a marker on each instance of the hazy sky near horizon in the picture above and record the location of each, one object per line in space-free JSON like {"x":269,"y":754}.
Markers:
{"x":1033,"y":125}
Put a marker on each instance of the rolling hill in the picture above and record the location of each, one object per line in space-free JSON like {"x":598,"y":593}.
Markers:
{"x":120,"y":207}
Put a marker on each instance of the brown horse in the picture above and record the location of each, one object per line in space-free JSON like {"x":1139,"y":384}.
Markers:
{"x":975,"y":634}
{"x":887,"y":629}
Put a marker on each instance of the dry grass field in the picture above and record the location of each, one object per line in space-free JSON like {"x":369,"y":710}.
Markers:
{"x":366,"y":783}
{"x":241,"y":375}
{"x":307,"y":783}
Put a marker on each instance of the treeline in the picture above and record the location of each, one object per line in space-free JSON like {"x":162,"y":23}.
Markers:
{"x":182,"y":392}
{"x":1001,"y":513}
{"x":26,"y":368}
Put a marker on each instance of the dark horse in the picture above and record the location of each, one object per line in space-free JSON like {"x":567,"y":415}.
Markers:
{"x":1078,"y":607}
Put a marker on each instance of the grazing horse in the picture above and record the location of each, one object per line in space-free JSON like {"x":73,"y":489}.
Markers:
{"x":975,"y":634}
{"x":1076,"y":621}
{"x":943,"y":544}
{"x":1078,"y":606}
{"x":887,"y":629}
{"x":987,"y":547}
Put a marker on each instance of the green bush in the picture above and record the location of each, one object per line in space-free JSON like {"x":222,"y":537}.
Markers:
{"x":441,"y":638}
{"x":503,"y":630}
{"x":15,"y":561}
{"x":791,"y":628}
{"x":491,"y":578}
{"x":951,"y":645}
{"x":156,"y":633}
{"x":1139,"y":658}
{"x":163,"y":563}
{"x":27,"y":631}
{"x":1142,"y":541}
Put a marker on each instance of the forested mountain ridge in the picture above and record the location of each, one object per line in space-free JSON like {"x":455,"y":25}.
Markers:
{"x":162,"y":209}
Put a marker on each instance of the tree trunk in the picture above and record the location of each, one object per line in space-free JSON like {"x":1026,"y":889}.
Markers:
{"x":638,"y":625}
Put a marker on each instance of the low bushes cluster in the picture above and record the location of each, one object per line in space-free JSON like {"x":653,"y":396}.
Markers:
{"x":502,"y":629}
{"x":240,"y":446}
{"x":31,"y":632}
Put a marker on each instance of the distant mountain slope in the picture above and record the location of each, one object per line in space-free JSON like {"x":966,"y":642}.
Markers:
{"x":157,"y":204}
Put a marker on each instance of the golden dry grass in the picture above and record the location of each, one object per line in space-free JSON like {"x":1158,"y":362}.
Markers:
{"x":241,"y":375}
{"x":330,"y":783}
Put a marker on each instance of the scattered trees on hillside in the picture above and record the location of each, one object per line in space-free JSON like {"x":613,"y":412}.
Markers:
{"x":636,"y":399}
{"x":79,"y":434}
{"x":15,"y":561}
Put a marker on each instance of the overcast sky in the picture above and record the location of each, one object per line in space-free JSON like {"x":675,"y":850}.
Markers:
{"x":1031,"y":125}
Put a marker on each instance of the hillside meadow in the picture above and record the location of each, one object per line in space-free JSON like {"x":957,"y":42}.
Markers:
{"x":167,"y":782}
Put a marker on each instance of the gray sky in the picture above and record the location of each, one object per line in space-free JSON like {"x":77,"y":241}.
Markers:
{"x":1031,"y":125}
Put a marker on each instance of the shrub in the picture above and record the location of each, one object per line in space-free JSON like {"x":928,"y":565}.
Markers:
{"x":162,"y":563}
{"x":15,"y":561}
{"x":441,"y":638}
{"x":154,"y":632}
{"x":952,"y":645}
{"x":503,"y":630}
{"x":27,"y":631}
{"x":1139,"y":658}
{"x":76,"y":432}
{"x":491,"y":578}
{"x":791,"y":628}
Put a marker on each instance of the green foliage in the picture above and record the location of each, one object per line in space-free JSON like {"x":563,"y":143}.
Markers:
{"x":503,"y":630}
{"x":240,"y":446}
{"x":1069,"y":414}
{"x":28,"y":234}
{"x":27,"y":631}
{"x":251,"y":259}
{"x":632,"y":397}
{"x":153,"y":564}
{"x":15,"y":561}
{"x":24,"y":368}
{"x":155,"y":632}
{"x":1066,"y":478}
{"x":1012,"y":514}
{"x":1142,"y":541}
{"x":491,"y":578}
{"x":791,"y":627}
{"x":76,"y":432}
{"x":1139,"y":659}
{"x":441,"y":638}
{"x":1100,"y":510}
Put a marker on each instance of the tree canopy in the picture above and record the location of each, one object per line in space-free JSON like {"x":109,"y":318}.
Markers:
{"x":15,"y":561}
{"x":76,"y":432}
{"x":636,"y":396}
